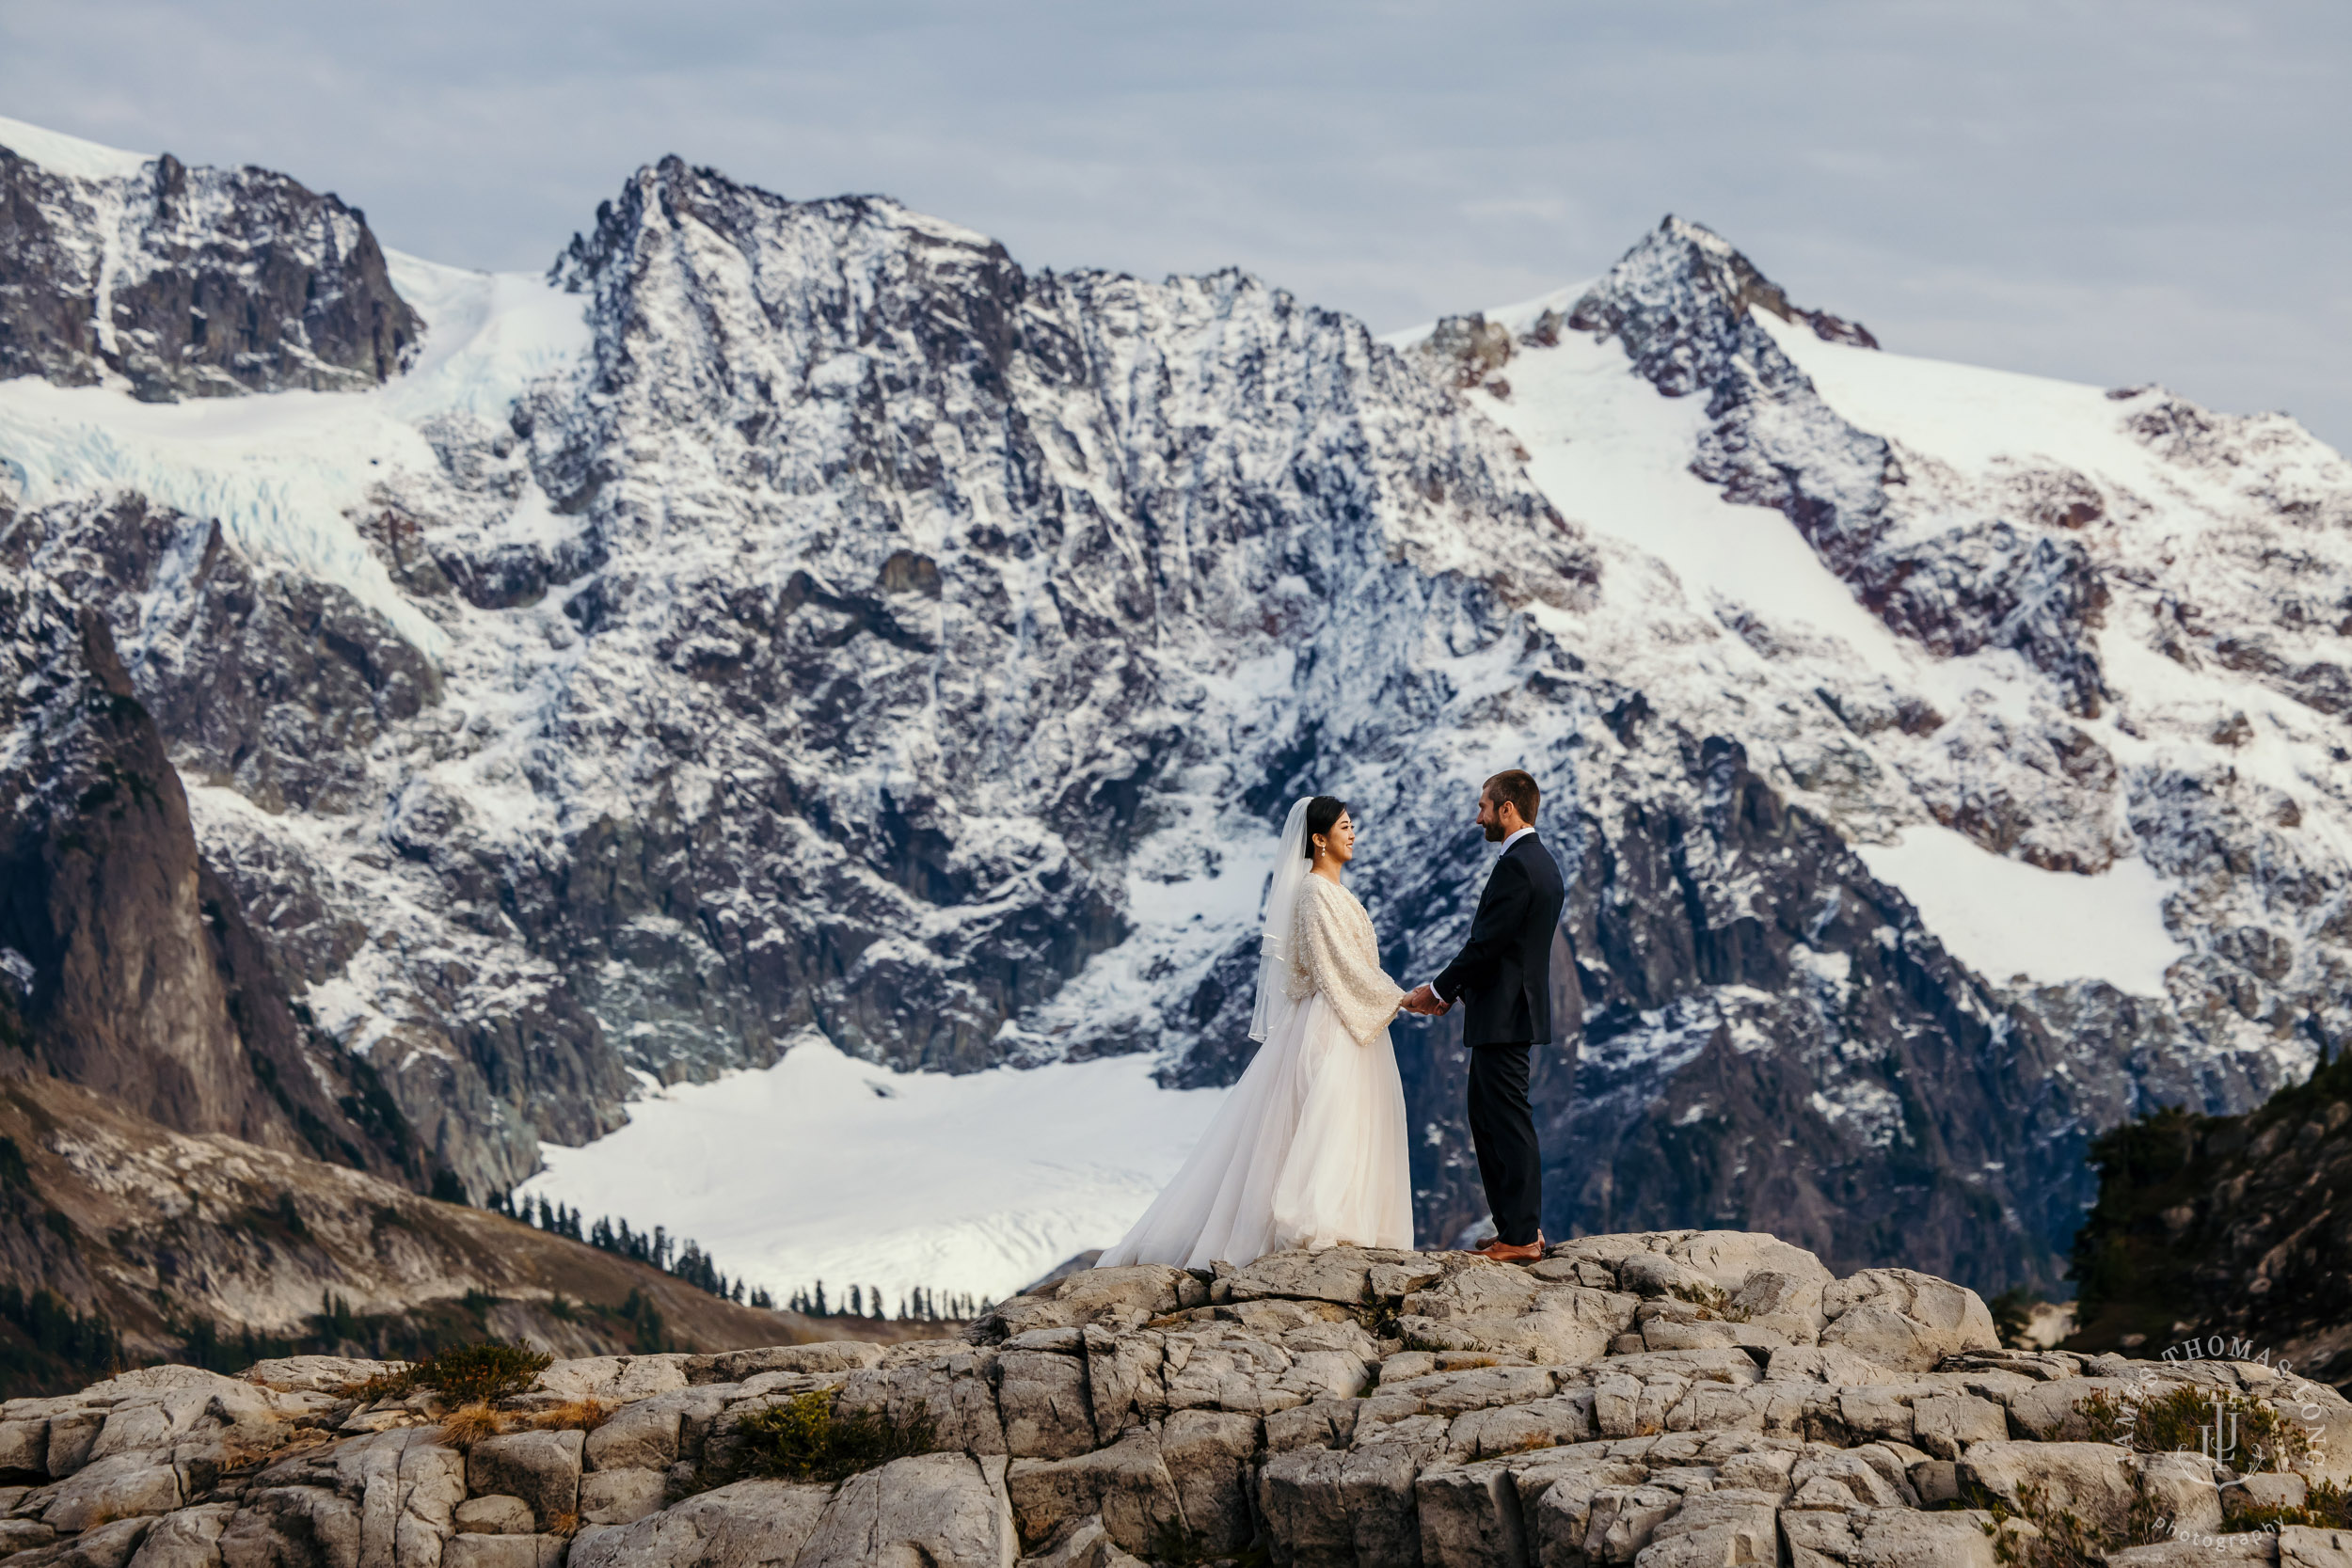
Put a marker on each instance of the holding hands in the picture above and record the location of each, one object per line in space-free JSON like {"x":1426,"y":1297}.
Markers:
{"x":1425,"y":1002}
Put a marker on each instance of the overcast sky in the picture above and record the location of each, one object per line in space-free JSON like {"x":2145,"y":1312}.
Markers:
{"x":2114,"y":192}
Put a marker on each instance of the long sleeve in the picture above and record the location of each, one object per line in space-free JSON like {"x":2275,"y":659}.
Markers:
{"x":1501,"y":911}
{"x":1334,"y":946}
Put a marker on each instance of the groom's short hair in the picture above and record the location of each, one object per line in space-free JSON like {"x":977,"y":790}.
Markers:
{"x":1519,"y":789}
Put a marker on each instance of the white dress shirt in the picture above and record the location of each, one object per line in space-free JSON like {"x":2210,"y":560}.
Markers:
{"x":1514,"y":838}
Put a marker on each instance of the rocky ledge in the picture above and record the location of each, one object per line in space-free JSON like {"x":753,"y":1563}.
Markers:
{"x":1676,"y":1397}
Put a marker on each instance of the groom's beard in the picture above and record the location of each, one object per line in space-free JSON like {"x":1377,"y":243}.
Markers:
{"x":1495,"y":833}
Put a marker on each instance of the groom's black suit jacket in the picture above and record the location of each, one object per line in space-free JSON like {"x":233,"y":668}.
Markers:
{"x":1504,"y":970}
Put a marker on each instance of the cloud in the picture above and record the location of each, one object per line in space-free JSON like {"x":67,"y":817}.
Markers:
{"x":2080,"y":189}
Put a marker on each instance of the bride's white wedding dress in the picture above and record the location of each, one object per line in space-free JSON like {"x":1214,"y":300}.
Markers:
{"x":1308,"y":1150}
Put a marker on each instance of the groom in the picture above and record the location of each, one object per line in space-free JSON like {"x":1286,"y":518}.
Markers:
{"x":1504,"y":974}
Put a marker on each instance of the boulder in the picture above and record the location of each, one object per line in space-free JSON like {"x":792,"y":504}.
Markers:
{"x":108,"y":1546}
{"x":292,"y":1526}
{"x":1043,"y":1399}
{"x":1319,"y":1424}
{"x":505,"y":1551}
{"x":1732,"y":1257}
{"x":648,"y":1435}
{"x":736,"y":1366}
{"x":187,"y":1539}
{"x":1888,"y":1538}
{"x":2303,"y":1546}
{"x":1127,"y":1484}
{"x":1347,"y":1508}
{"x":24,"y":1451}
{"x":497,"y":1515}
{"x":1561,"y":1510}
{"x":1210,"y":1456}
{"x":1340,"y":1274}
{"x":2095,"y":1480}
{"x":2182,"y":1487}
{"x":405,"y":1486}
{"x":72,"y":1435}
{"x":942,"y":1510}
{"x":620,"y":1496}
{"x":750,"y":1524}
{"x":1468,"y":1517}
{"x":1788,"y":1303}
{"x":317,"y":1375}
{"x":23,"y":1535}
{"x":2270,"y":1489}
{"x":119,"y":1486}
{"x":1712,"y":1529}
{"x":1219,"y":1368}
{"x":1656,"y":1273}
{"x":1124,"y":1385}
{"x":1904,"y":1319}
{"x":2051,"y":1412}
{"x":950,"y":1385}
{"x":1947,"y":1424}
{"x":540,"y":1467}
{"x":1513,"y":1315}
{"x":614,"y":1379}
{"x":1517,"y":1428}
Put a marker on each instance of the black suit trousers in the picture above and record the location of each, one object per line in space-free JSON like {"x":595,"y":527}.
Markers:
{"x":1503,"y":1129}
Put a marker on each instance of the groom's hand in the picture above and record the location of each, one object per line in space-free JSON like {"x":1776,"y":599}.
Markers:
{"x":1423,"y":1000}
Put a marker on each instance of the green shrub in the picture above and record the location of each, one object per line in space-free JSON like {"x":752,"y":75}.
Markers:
{"x":2065,"y":1539}
{"x":2171,"y":1422}
{"x":489,"y":1369}
{"x":2328,"y":1507}
{"x":803,"y":1439}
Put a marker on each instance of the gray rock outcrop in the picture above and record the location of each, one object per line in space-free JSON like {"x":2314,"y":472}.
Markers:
{"x":1425,"y":1410}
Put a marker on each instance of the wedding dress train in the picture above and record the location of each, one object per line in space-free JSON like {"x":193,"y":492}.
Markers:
{"x":1308,"y":1150}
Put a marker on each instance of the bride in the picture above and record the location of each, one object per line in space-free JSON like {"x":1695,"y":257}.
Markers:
{"x":1308,"y":1150}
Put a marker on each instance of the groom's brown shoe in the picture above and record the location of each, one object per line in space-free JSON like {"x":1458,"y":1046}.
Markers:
{"x":1504,"y":1251}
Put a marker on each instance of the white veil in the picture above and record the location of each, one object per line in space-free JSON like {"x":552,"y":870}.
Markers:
{"x":1282,"y":899}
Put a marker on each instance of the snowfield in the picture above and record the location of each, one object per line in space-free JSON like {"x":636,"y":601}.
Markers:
{"x":2006,"y":919}
{"x":285,"y":474}
{"x":824,"y":1167}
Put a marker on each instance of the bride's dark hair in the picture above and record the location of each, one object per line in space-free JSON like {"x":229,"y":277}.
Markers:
{"x":1322,"y":812}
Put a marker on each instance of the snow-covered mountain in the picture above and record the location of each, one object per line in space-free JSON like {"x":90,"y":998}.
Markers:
{"x":794,"y":627}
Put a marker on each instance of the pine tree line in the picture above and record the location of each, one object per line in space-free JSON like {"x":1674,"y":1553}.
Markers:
{"x":687,"y":1261}
{"x":920,"y":1306}
{"x":690,"y":1262}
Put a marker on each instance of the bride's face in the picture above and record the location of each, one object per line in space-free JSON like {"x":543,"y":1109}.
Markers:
{"x":1340,"y":843}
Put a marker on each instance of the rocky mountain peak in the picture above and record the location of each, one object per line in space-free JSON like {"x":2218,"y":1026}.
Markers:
{"x":192,"y":282}
{"x":1678,"y":301}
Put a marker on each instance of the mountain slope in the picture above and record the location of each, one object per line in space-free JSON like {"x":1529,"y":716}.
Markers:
{"x":177,"y":282}
{"x":2234,"y":1227}
{"x":797,"y":622}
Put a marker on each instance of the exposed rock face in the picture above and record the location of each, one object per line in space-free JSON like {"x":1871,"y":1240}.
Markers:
{"x":135,"y":972}
{"x":199,"y":282}
{"x":1346,"y":1407}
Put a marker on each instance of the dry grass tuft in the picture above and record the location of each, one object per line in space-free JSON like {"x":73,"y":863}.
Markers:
{"x":564,"y":1525}
{"x":574,"y":1415}
{"x":469,"y":1424}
